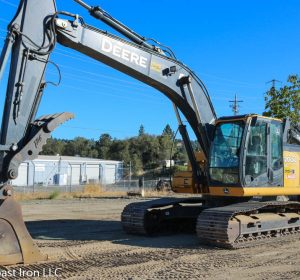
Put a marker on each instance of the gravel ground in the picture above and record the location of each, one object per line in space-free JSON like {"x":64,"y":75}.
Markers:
{"x":84,"y":240}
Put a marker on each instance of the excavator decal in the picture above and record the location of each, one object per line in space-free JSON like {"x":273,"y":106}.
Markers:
{"x":118,"y":49}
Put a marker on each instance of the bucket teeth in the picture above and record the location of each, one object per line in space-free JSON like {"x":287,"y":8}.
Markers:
{"x":16,"y":244}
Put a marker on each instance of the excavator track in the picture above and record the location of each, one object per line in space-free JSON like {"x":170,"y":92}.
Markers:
{"x":151,"y":217}
{"x":133,"y":218}
{"x":248,"y":224}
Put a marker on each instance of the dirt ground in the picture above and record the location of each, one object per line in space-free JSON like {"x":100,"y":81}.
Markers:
{"x":84,"y":240}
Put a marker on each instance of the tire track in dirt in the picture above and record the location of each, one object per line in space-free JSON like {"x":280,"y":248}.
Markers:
{"x":76,"y":265}
{"x":120,"y":256}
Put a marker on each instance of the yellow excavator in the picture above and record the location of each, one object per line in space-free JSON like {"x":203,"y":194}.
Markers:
{"x":250,"y":194}
{"x":245,"y":180}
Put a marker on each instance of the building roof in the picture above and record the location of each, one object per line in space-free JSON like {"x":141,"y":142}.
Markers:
{"x":74,"y":159}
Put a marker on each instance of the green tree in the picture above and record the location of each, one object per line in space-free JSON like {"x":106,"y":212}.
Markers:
{"x":165,"y":146}
{"x":146,"y":147}
{"x":141,"y":130}
{"x":168,"y":131}
{"x":54,"y":147}
{"x":145,"y":151}
{"x":285,"y":102}
{"x":180,"y":152}
{"x":103,"y":146}
{"x":82,"y":147}
{"x":137,"y":166}
{"x":166,"y":143}
{"x":119,"y":150}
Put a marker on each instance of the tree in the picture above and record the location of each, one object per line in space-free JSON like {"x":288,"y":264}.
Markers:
{"x":168,"y":131}
{"x":180,"y":154}
{"x":166,"y":143}
{"x":146,"y":147}
{"x":145,"y":151}
{"x":137,"y":166}
{"x":165,"y":146}
{"x":82,"y":147}
{"x":285,"y":102}
{"x":141,"y":130}
{"x":103,"y":146}
{"x":119,"y":150}
{"x":54,"y":147}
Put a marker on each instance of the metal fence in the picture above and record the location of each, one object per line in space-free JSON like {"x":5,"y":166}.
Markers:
{"x":132,"y":186}
{"x":35,"y":176}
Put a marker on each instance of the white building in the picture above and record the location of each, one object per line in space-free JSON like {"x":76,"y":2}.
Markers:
{"x":66,"y":170}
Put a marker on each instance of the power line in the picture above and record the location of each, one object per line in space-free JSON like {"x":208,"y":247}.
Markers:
{"x":102,"y":76}
{"x":2,"y":19}
{"x":98,"y":75}
{"x":91,"y":61}
{"x":96,"y":129}
{"x":119,"y":91}
{"x":74,"y":57}
{"x":119,"y":96}
{"x":9,"y":3}
{"x":94,"y":74}
{"x":93,"y":82}
{"x":215,"y":82}
{"x":242,"y":83}
{"x":87,"y":60}
{"x":108,"y":85}
{"x":73,"y":53}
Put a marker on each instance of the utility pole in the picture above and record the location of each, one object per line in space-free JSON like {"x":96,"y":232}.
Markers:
{"x":235,"y":105}
{"x":273,"y":81}
{"x":129,"y":173}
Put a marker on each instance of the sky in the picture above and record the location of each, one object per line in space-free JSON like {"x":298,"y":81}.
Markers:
{"x":234,"y":46}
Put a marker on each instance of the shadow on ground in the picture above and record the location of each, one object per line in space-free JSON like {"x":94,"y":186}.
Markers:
{"x":79,"y":230}
{"x":88,"y":230}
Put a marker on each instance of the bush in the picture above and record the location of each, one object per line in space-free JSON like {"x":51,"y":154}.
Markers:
{"x":54,"y":195}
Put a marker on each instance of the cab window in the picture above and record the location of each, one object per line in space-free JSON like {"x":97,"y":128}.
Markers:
{"x":225,"y":153}
{"x":256,"y":157}
{"x":276,"y":146}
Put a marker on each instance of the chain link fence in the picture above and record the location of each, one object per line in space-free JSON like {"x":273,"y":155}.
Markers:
{"x":64,"y":176}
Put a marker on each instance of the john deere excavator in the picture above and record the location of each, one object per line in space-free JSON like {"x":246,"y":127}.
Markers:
{"x":246,"y":179}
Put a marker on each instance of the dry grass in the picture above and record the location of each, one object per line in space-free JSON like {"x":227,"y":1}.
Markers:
{"x":152,"y":193}
{"x":32,"y":196}
{"x":89,"y":191}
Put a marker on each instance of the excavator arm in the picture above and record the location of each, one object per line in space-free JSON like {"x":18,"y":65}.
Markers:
{"x":32,"y":36}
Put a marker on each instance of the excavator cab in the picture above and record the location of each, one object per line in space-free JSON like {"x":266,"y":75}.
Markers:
{"x":246,"y":151}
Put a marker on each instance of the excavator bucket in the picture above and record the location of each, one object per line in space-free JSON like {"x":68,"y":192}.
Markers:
{"x":16,"y":244}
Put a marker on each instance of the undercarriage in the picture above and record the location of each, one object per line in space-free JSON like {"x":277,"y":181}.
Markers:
{"x":236,"y":225}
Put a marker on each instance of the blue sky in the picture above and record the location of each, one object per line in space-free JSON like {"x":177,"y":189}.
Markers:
{"x":234,"y":46}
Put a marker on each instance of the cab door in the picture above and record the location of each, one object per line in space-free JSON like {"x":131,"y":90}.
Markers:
{"x":256,"y":160}
{"x":275,"y":155}
{"x":263,"y":161}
